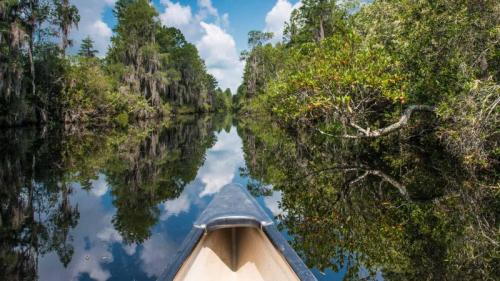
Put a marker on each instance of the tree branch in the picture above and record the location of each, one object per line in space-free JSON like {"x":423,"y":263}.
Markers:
{"x":368,"y":133}
{"x":403,"y":121}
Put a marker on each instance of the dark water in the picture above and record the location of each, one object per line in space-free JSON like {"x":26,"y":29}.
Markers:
{"x":115,"y":204}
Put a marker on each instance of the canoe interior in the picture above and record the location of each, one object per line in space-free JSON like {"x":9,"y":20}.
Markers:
{"x":240,"y":253}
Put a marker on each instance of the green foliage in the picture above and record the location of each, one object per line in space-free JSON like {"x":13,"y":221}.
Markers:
{"x":223,"y":100}
{"x":90,"y":97}
{"x":377,"y":208}
{"x":333,"y":80}
{"x":149,"y":70}
{"x":122,"y":119}
{"x":87,"y":48}
{"x":263,"y":62}
{"x":258,"y":38}
{"x":157,"y":60}
{"x":316,"y":20}
{"x":348,"y":70}
{"x":144,"y":164}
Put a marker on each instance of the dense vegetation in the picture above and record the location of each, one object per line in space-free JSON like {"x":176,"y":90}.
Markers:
{"x":400,"y":208}
{"x":150,"y":70}
{"x":366,"y":71}
{"x":377,"y":125}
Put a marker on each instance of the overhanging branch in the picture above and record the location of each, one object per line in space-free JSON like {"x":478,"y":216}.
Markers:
{"x":368,"y":133}
{"x":403,"y":121}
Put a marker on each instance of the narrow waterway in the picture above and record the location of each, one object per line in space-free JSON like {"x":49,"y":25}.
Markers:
{"x":115,"y":204}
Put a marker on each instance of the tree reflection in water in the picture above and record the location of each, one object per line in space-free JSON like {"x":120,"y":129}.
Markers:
{"x":145,"y":164}
{"x":398,"y":206}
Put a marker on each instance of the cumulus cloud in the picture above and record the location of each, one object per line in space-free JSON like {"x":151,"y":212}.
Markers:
{"x":207,"y":29}
{"x":99,"y":186}
{"x":156,"y":253}
{"x":109,"y":234}
{"x":92,"y":238}
{"x":176,"y":206}
{"x":91,"y":24}
{"x":175,"y":14}
{"x":278,"y":16}
{"x":273,"y":203}
{"x":207,"y":5}
{"x":223,"y":161}
{"x":218,"y":49}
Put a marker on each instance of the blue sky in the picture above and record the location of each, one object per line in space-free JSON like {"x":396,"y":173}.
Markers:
{"x":218,"y":28}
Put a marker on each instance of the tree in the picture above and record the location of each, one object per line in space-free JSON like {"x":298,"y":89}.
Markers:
{"x":20,"y":23}
{"x":316,"y":20}
{"x":66,"y":16}
{"x":120,"y":6}
{"x":37,"y":79}
{"x":258,"y":38}
{"x":446,"y":50}
{"x":87,"y":48}
{"x":344,"y":206}
{"x":222,"y":100}
{"x":261,"y":62}
{"x":396,"y":58}
{"x":134,"y":46}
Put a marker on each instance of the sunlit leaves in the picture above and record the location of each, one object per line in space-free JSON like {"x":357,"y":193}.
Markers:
{"x":334,"y":78}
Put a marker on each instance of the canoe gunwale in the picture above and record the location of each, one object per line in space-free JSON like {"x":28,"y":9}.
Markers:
{"x":232,"y":222}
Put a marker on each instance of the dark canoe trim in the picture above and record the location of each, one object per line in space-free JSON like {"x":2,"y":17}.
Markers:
{"x":234,"y":221}
{"x":233,"y":206}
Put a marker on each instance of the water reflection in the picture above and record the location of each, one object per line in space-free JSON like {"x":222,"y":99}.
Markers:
{"x":115,"y":204}
{"x":106,"y":204}
{"x":394,"y":209}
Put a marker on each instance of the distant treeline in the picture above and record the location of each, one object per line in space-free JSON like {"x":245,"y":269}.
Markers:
{"x":364,"y":71}
{"x":150,"y":70}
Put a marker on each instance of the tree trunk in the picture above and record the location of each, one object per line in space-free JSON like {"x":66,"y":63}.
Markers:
{"x":321,"y":30}
{"x":30,"y":52}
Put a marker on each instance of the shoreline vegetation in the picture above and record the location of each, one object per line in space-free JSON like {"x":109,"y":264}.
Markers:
{"x":342,"y":70}
{"x":345,"y":70}
{"x":150,"y":70}
{"x":372,"y":128}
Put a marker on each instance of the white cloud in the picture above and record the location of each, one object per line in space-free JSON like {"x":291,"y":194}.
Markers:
{"x":99,"y":186}
{"x":223,"y":161}
{"x":207,"y":30}
{"x":91,"y":24}
{"x":93,"y":236}
{"x":109,"y":234}
{"x":130,"y":249}
{"x":176,"y":206}
{"x":207,"y":5}
{"x":218,"y":49}
{"x":156,"y":254}
{"x":278,"y":16}
{"x":224,"y":20}
{"x":273,"y":203}
{"x":175,"y":14}
{"x":216,"y":46}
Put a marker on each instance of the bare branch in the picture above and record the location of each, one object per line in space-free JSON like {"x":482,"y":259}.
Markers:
{"x":368,"y":133}
{"x":390,"y":180}
{"x":403,"y":121}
